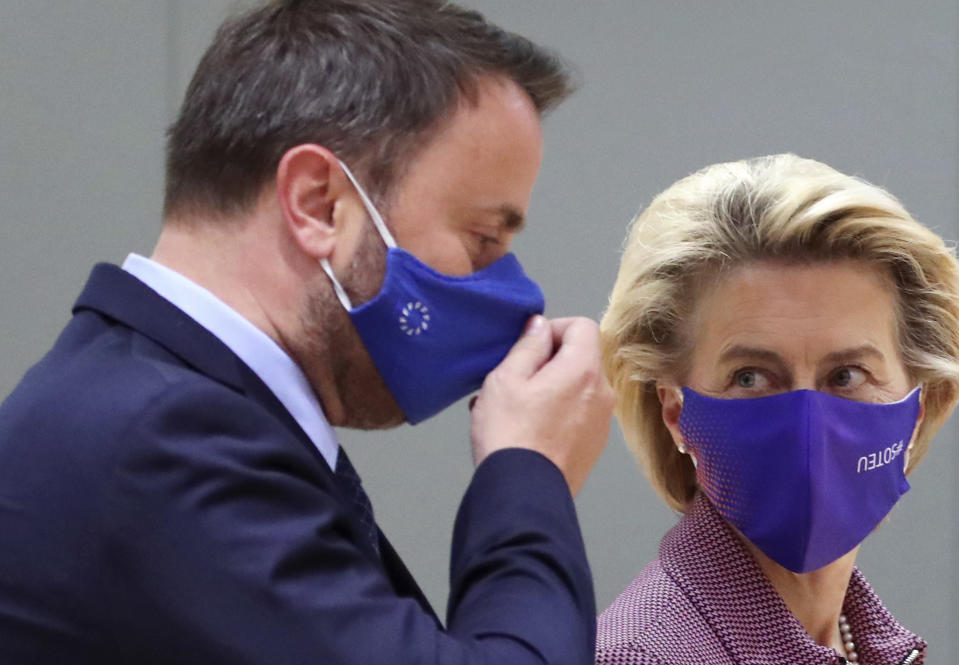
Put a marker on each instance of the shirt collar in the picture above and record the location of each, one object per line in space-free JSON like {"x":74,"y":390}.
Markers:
{"x":253,"y":346}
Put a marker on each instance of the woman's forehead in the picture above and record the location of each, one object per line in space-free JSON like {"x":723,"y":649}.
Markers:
{"x":797,"y":310}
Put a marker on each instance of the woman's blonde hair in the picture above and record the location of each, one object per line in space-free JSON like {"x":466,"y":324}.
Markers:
{"x":784,"y":208}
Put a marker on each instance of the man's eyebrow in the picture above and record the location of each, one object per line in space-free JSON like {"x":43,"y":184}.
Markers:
{"x":511,"y":218}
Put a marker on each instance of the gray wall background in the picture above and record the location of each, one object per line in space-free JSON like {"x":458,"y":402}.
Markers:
{"x":871,"y":87}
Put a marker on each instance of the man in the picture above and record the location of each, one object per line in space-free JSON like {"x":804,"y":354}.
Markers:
{"x":343,"y":182}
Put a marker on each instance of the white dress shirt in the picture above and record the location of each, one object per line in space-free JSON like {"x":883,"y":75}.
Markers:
{"x":253,"y":346}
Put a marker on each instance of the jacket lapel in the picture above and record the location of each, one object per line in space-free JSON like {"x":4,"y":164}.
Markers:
{"x":707,"y":560}
{"x":114,"y":293}
{"x":716,"y":572}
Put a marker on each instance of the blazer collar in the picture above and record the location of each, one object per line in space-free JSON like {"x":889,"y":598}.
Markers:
{"x":717,"y":573}
{"x":115,"y":293}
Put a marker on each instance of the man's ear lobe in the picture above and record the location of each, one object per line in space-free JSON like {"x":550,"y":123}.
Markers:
{"x":308,"y":184}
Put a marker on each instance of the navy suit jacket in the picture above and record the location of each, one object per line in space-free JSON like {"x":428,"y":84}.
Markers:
{"x":159,"y":505}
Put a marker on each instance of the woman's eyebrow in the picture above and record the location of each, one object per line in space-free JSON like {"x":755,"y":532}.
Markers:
{"x":855,"y":353}
{"x":742,"y":353}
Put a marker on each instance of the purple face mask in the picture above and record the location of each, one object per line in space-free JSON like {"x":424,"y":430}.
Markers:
{"x":804,"y":475}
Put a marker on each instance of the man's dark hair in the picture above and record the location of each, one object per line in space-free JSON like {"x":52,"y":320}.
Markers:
{"x":371,"y":80}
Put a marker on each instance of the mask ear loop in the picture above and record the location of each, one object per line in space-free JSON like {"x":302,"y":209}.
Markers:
{"x":681,"y":446}
{"x":912,"y":440}
{"x":378,"y":222}
{"x":340,"y":293}
{"x":371,"y":209}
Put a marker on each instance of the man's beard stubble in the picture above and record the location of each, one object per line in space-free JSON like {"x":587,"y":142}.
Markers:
{"x":330,"y":338}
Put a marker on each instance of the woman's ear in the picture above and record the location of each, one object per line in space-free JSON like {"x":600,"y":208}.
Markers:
{"x":671,"y":400}
{"x":915,"y":432}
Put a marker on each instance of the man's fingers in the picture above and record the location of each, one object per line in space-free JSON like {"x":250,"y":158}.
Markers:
{"x":532,"y":350}
{"x":580,"y":337}
{"x":578,"y":348}
{"x":560,"y":326}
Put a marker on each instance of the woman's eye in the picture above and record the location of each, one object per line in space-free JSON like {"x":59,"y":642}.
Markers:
{"x":848,"y":377}
{"x":751,"y":382}
{"x":747,"y":378}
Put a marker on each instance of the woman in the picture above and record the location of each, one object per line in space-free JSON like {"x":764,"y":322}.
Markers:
{"x":784,"y":343}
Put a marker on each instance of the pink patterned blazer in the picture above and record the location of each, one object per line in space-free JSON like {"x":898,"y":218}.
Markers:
{"x":705,"y":601}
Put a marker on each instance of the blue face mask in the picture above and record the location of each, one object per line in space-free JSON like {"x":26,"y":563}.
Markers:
{"x":434,"y":337}
{"x":804,"y":475}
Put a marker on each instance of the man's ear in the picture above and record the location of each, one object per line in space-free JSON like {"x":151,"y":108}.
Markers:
{"x":670,"y":398}
{"x":310,"y":189}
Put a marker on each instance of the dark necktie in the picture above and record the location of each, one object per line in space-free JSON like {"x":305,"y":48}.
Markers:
{"x":349,"y":481}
